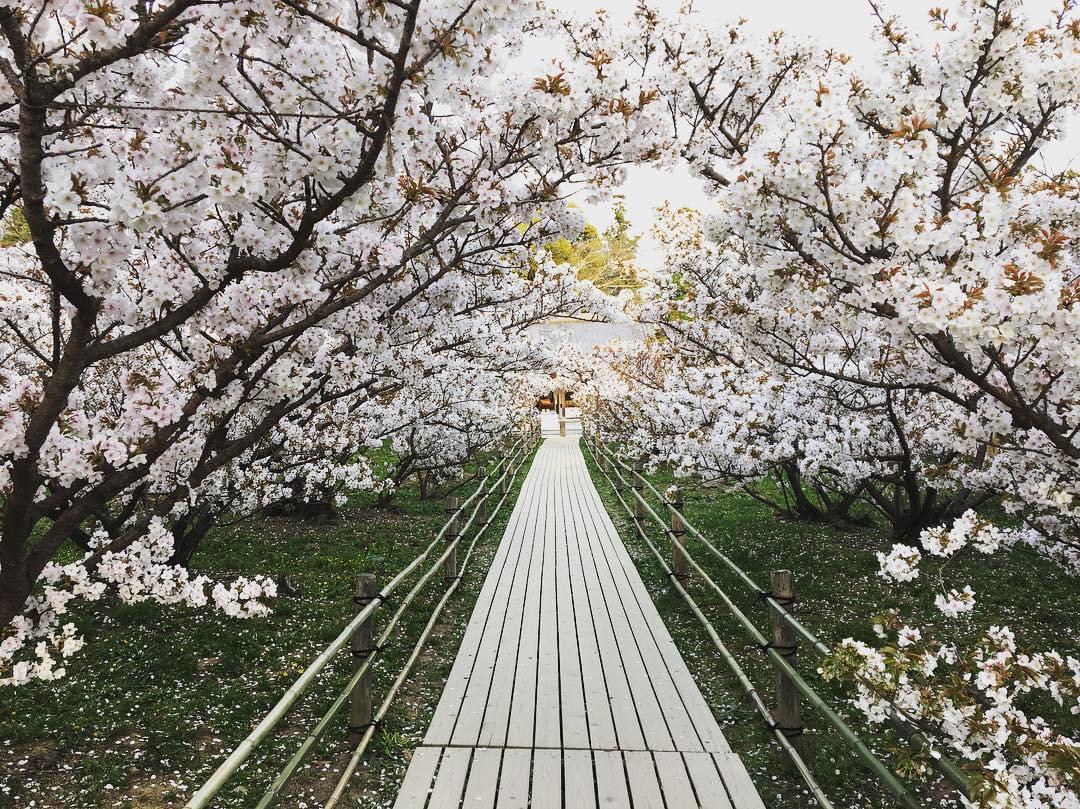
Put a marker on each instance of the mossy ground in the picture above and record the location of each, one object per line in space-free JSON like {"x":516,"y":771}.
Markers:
{"x":161,"y":694}
{"x":838,"y":592}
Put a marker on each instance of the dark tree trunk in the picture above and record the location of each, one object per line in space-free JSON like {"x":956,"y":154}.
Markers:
{"x":188,"y":533}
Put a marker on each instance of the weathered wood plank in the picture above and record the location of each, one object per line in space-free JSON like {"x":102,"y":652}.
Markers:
{"x":644,"y":786}
{"x":547,"y":731}
{"x":575,"y":721}
{"x":579,"y":784}
{"x":471,"y":710}
{"x":514,"y":781}
{"x":516,"y":727}
{"x":600,"y":716}
{"x":483,"y":778}
{"x":483,"y":619}
{"x":450,"y":781}
{"x":611,"y":792}
{"x":680,"y":697}
{"x":737,"y":780}
{"x":499,"y":696}
{"x":414,"y":790}
{"x":675,"y":780}
{"x":708,"y":784}
{"x":546,"y":792}
{"x":621,"y":697}
{"x":633,"y":699}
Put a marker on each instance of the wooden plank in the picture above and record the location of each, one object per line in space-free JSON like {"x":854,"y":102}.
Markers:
{"x":514,"y":781}
{"x":644,"y":786}
{"x":675,"y":780}
{"x":546,"y":792}
{"x":579,"y":786}
{"x":708,"y":785}
{"x":693,"y":726}
{"x":575,"y":720}
{"x":599,"y":713}
{"x":638,"y":719}
{"x":450,"y":781}
{"x":472,"y":707}
{"x":417,"y":784}
{"x":483,"y":779}
{"x":667,"y":708}
{"x":547,"y":731}
{"x":628,"y":729}
{"x":740,"y":788}
{"x":516,"y":728}
{"x":610,"y":780}
{"x":498,"y":698}
{"x":440,"y":732}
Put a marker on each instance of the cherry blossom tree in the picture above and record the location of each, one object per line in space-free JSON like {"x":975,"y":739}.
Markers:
{"x":730,"y":400}
{"x":246,"y":221}
{"x":904,"y":208}
{"x":902,"y":251}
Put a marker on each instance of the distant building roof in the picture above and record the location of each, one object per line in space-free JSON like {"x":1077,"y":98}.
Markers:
{"x":587,"y":334}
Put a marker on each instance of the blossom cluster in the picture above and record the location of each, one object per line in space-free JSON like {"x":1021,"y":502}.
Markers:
{"x":263,"y":239}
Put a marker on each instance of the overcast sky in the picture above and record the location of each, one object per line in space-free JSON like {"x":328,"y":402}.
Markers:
{"x":843,"y":24}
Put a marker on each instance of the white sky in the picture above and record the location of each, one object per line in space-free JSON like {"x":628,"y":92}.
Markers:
{"x":843,"y":24}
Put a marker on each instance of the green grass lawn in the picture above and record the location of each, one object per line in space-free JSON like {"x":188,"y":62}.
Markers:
{"x":161,"y":694}
{"x":838,"y":591}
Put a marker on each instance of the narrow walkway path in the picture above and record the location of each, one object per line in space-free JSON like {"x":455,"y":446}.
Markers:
{"x":568,"y":692}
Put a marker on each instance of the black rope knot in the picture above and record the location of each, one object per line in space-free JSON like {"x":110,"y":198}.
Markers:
{"x":785,"y":650}
{"x":374,"y":723}
{"x":783,"y":601}
{"x":363,"y":601}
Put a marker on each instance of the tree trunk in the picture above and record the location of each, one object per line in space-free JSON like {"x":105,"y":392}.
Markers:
{"x":188,"y":534}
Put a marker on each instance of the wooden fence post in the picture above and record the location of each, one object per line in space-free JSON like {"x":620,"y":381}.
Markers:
{"x":482,"y":508}
{"x":639,"y":504}
{"x":450,"y":567}
{"x":620,"y":485}
{"x":679,"y":566}
{"x":363,"y":639}
{"x":562,"y":426}
{"x":786,"y":716}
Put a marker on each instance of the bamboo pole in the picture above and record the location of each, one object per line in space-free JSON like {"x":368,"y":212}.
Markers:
{"x":384,"y":707}
{"x":737,"y":670}
{"x":894,"y":784}
{"x":481,"y":472}
{"x":636,"y":481}
{"x":243,"y":750}
{"x":270,"y":798}
{"x":949,"y":769}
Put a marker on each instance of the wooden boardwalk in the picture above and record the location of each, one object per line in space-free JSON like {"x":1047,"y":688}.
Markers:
{"x":568,"y":692}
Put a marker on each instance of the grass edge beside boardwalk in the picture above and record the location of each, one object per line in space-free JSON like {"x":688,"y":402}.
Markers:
{"x":838,"y":592}
{"x":161,"y":694}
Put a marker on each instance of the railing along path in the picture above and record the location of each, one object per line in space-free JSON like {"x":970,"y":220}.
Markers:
{"x":624,"y":477}
{"x":497,"y":482}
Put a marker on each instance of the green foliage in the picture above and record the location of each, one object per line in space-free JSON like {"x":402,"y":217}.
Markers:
{"x":161,"y":693}
{"x":838,"y":591}
{"x":15,"y":231}
{"x":604,"y":257}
